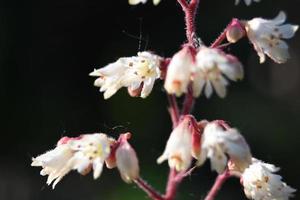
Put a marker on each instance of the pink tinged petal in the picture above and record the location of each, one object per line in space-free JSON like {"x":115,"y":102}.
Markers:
{"x":127,"y":162}
{"x":179,"y":146}
{"x":135,"y":85}
{"x":179,"y":72}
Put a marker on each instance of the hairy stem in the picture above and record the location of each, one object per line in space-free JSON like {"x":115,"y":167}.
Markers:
{"x":189,"y":10}
{"x":172,"y":185}
{"x":153,"y":194}
{"x":188,"y":102}
{"x":217,"y":185}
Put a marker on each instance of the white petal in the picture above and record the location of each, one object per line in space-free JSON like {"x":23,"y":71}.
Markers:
{"x":97,"y":167}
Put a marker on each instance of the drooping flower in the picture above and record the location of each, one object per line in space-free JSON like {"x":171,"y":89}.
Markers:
{"x":132,"y":72}
{"x":247,"y":2}
{"x":217,"y":143}
{"x":211,"y":66}
{"x":179,"y":72}
{"x":181,"y":145}
{"x":260,"y":182}
{"x":266,"y":37}
{"x":82,"y":154}
{"x":135,"y":2}
{"x":126,"y":159}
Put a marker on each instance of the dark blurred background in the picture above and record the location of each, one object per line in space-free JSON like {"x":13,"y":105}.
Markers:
{"x":48,"y":48}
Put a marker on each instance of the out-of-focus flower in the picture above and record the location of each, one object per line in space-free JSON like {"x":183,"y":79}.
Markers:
{"x":82,"y":154}
{"x":260,"y":182}
{"x":211,"y":66}
{"x":266,"y":37}
{"x":218,"y":143}
{"x":181,"y":145}
{"x":179,"y":72}
{"x":247,"y":2}
{"x":135,"y":2}
{"x":126,"y":160}
{"x":132,"y":72}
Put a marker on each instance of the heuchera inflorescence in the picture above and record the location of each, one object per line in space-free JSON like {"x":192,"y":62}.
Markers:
{"x":195,"y":70}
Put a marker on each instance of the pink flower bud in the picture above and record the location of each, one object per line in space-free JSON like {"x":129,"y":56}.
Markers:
{"x":235,"y":31}
{"x":126,"y":159}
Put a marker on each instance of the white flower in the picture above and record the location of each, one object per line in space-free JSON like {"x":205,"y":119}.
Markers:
{"x":82,"y":154}
{"x":126,"y":160}
{"x":217,"y":143}
{"x":179,"y":148}
{"x":211,"y":66}
{"x":135,"y":2}
{"x":247,"y":2}
{"x":179,"y":72}
{"x":260,"y":182}
{"x":132,"y":72}
{"x":266,"y":36}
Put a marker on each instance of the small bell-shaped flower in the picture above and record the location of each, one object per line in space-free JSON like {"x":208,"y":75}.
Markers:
{"x":211,"y":66}
{"x":260,"y":182}
{"x":182,"y":145}
{"x":218,"y":142}
{"x":266,"y":37}
{"x":126,"y":159}
{"x":179,"y":71}
{"x":82,"y":154}
{"x":135,"y":72}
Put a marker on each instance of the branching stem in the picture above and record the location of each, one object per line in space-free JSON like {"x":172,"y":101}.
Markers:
{"x":153,"y":194}
{"x":220,"y":180}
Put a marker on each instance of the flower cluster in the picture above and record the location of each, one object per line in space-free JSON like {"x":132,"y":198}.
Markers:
{"x":206,"y":68}
{"x":260,"y":182}
{"x":227,"y":150}
{"x":88,"y":152}
{"x":194,"y":70}
{"x":138,"y":73}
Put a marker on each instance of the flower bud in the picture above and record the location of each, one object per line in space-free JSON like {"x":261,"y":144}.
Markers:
{"x":126,"y":160}
{"x":235,"y":32}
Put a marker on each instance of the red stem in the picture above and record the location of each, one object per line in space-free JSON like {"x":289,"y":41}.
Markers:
{"x":222,"y":36}
{"x":189,"y":10}
{"x":173,"y":110}
{"x":172,"y":185}
{"x":217,"y":185}
{"x":188,"y":102}
{"x":148,"y":189}
{"x":190,"y":14}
